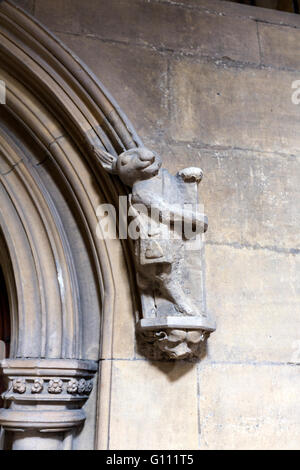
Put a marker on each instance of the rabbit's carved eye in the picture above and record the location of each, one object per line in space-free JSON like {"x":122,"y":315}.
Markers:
{"x":125,"y":160}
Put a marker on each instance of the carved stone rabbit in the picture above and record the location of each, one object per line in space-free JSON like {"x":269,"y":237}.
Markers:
{"x":159,"y":205}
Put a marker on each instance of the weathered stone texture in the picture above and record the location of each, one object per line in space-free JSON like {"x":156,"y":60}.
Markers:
{"x":247,"y":108}
{"x":255,"y":304}
{"x":280,"y":46}
{"x":159,"y":25}
{"x":148,"y":407}
{"x":249,"y":407}
{"x":229,"y":7}
{"x":248,"y":202}
{"x":78,"y":20}
{"x":143,"y":96}
{"x":27,"y":5}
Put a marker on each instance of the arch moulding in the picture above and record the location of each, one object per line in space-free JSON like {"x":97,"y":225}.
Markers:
{"x":63,"y":139}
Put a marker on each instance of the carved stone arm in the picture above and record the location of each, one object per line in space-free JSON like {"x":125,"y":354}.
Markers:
{"x":173,"y":214}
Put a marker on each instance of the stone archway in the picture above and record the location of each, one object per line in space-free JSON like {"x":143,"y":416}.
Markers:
{"x":4,"y":317}
{"x":4,"y":324}
{"x":64,"y":278}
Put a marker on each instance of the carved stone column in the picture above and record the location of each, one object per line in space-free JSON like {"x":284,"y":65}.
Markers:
{"x":43,"y":401}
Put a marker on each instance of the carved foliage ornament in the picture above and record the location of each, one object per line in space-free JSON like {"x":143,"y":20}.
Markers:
{"x":168,"y":252}
{"x":45,"y":395}
{"x":54,"y":386}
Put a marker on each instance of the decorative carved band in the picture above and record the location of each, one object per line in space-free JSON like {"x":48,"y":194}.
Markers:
{"x":43,"y":386}
{"x":45,"y":394}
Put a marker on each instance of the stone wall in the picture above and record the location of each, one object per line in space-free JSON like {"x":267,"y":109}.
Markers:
{"x":209,"y":83}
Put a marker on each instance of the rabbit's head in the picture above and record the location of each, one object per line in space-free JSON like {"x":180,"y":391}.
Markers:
{"x":137,"y":165}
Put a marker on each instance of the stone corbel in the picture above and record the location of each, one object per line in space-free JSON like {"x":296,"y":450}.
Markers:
{"x":44,"y":399}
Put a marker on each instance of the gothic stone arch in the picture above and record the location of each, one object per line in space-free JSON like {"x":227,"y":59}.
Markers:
{"x":65,"y":148}
{"x":51,"y":186}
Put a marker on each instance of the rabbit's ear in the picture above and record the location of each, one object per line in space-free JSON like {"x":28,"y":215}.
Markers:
{"x":106,"y":160}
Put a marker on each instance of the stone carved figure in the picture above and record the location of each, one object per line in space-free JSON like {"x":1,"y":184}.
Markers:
{"x":169,"y":272}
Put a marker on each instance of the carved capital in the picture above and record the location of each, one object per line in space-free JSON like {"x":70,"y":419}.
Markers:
{"x":45,"y":395}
